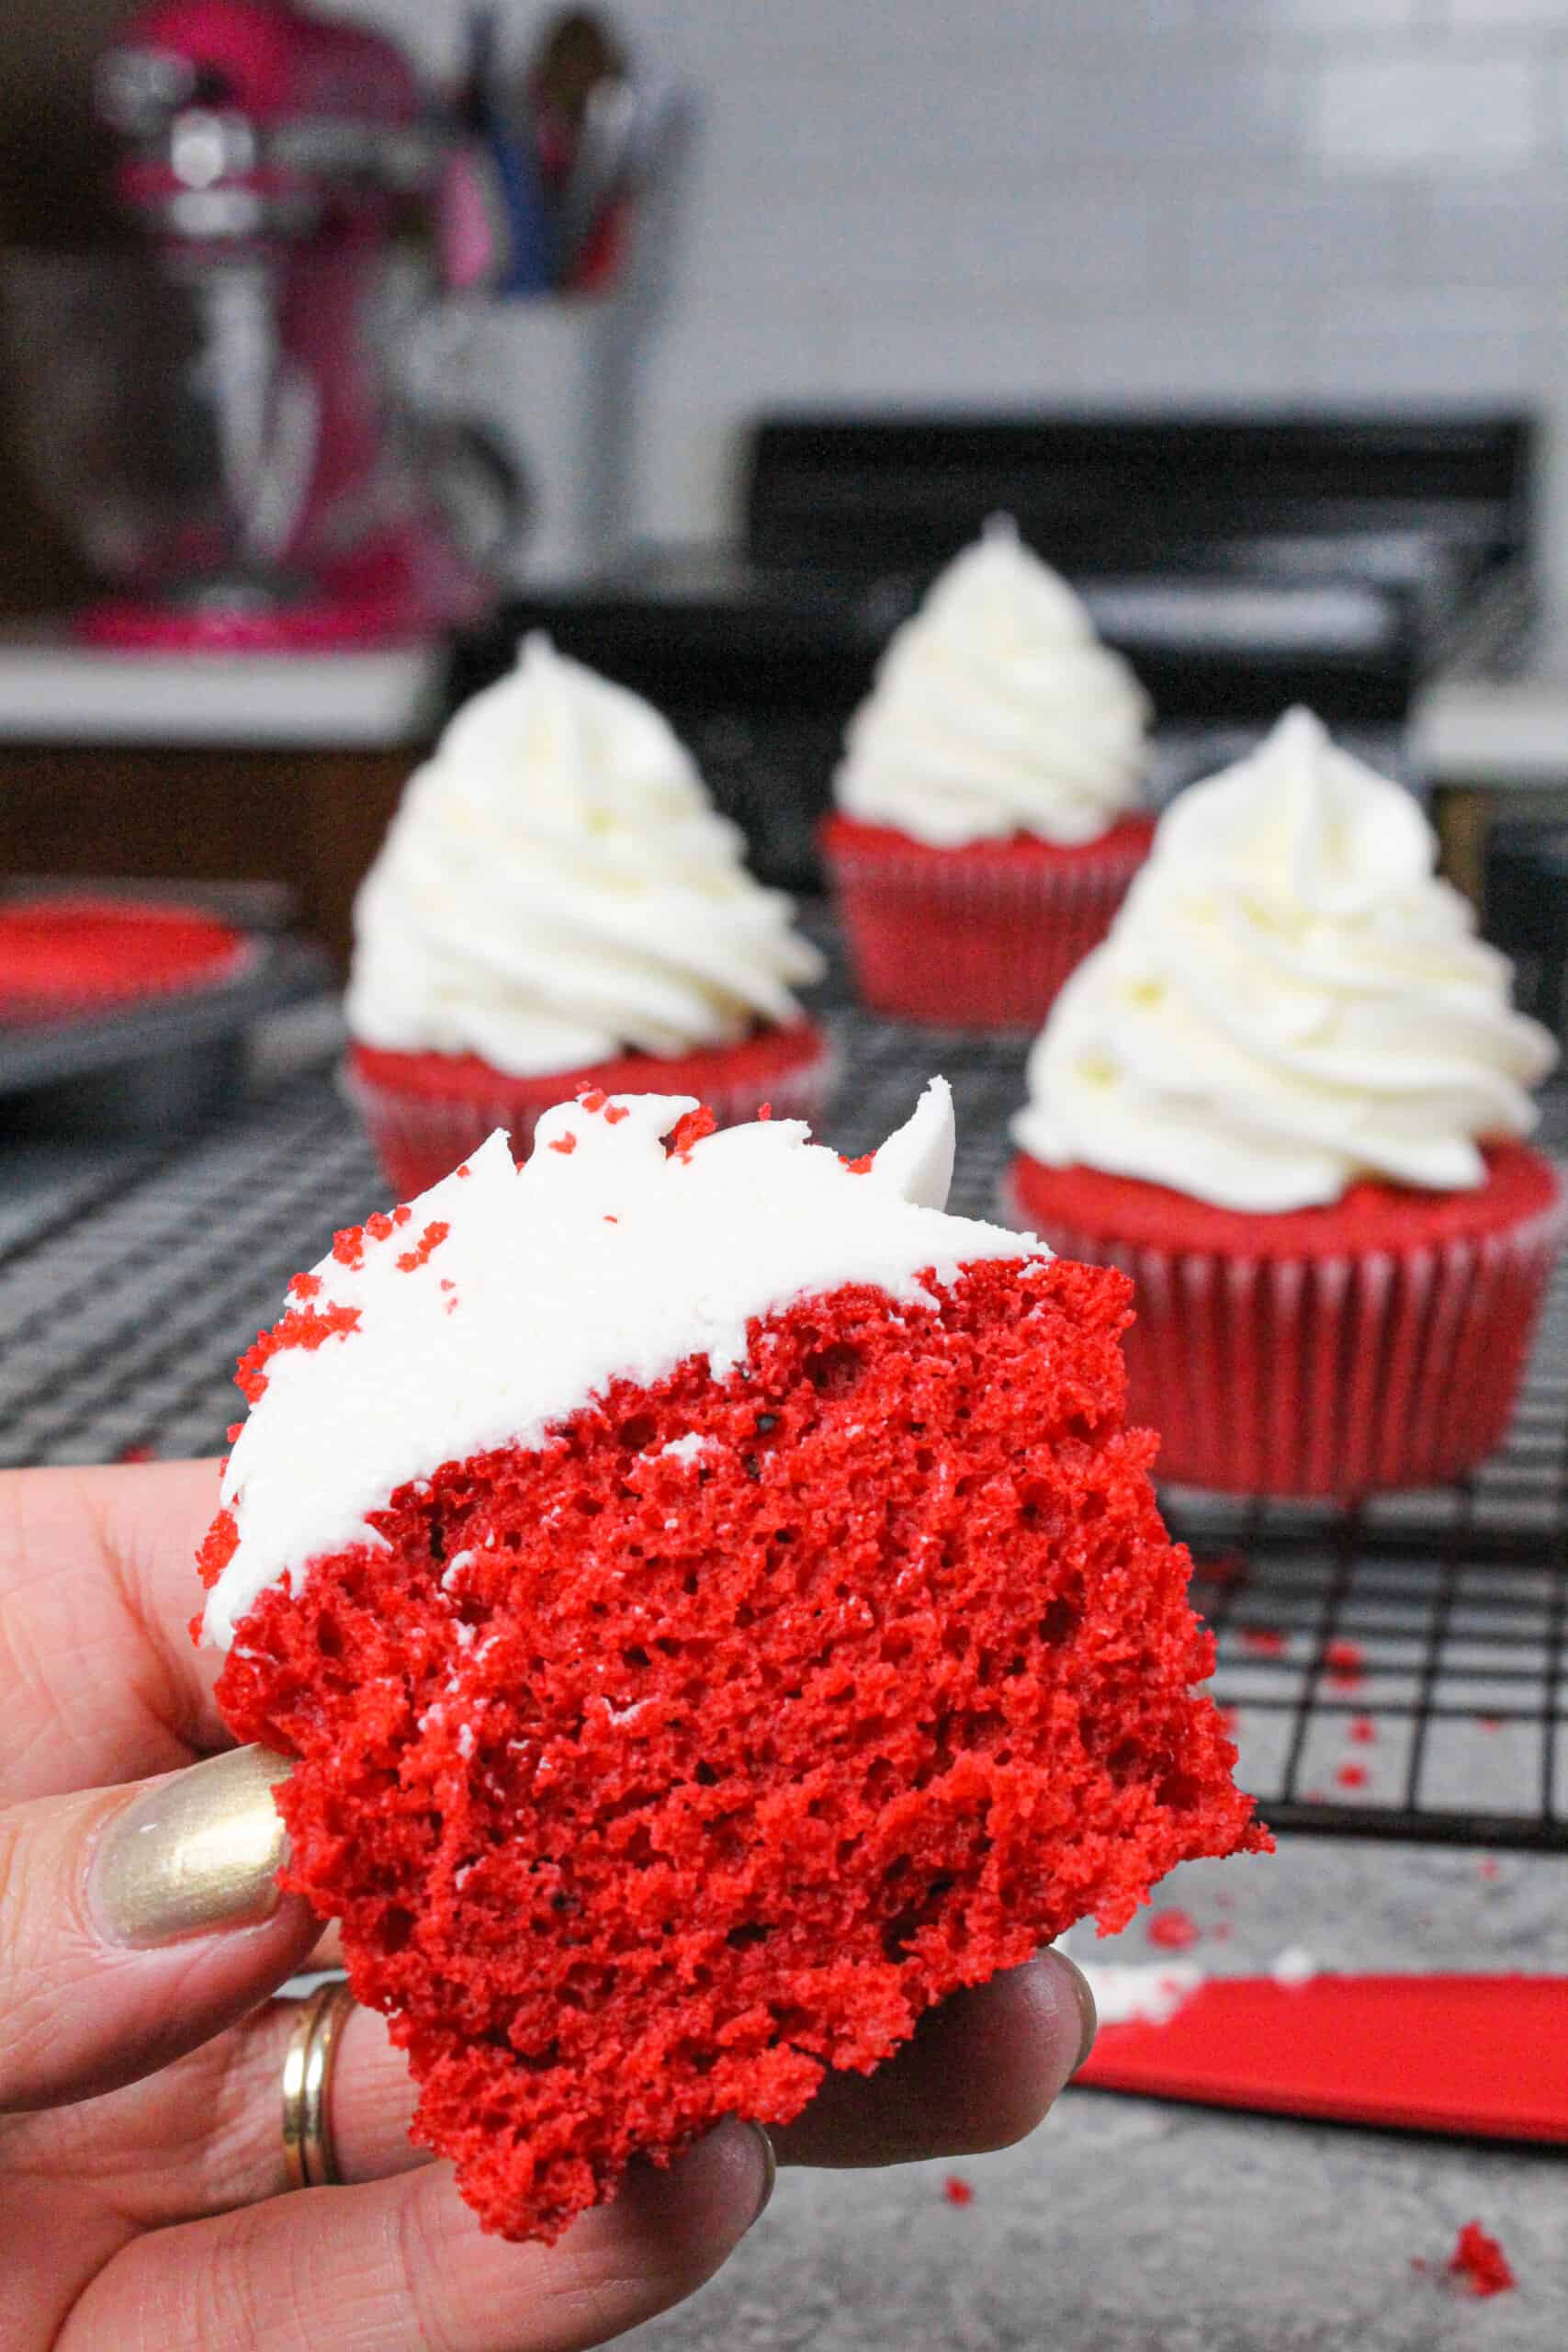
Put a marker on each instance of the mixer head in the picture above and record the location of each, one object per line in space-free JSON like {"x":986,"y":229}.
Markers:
{"x":247,"y":119}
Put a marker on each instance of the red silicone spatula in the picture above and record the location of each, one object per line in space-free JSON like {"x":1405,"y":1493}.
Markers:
{"x":1485,"y":2056}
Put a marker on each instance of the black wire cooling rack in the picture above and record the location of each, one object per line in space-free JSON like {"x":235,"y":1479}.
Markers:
{"x":1401,"y":1671}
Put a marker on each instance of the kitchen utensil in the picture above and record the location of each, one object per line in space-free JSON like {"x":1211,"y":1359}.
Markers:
{"x":213,"y":413}
{"x":1478,"y":2055}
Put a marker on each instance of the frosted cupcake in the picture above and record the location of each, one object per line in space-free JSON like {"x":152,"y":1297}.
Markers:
{"x":1288,"y":1096}
{"x":557,"y":906}
{"x":987,"y":825}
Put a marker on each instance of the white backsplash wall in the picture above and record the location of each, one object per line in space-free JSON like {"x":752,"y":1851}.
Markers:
{"x":1250,"y":202}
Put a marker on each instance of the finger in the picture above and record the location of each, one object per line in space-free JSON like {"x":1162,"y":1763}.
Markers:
{"x":980,"y":2072}
{"x":403,"y":2263}
{"x":98,"y":1585}
{"x":137,"y":1923}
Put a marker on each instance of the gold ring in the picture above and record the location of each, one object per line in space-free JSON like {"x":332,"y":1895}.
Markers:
{"x":309,"y":2159}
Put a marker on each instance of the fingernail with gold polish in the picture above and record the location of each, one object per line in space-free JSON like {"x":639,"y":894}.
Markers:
{"x":198,"y":1851}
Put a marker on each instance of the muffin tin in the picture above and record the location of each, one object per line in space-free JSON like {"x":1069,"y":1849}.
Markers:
{"x":162,"y":1064}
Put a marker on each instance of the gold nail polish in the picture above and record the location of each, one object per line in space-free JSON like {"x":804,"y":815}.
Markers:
{"x":198,"y":1851}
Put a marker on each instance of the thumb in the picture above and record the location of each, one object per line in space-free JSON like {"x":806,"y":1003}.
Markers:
{"x":138,"y":1923}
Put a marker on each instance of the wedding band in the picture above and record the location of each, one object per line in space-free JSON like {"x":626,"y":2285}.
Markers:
{"x":309,"y":2159}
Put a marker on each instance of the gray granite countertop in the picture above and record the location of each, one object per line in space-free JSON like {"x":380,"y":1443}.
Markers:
{"x":1127,"y":2225}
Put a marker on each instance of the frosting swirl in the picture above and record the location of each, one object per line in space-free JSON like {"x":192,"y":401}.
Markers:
{"x":556,"y":887}
{"x":1289,"y":1000}
{"x":996,"y":711}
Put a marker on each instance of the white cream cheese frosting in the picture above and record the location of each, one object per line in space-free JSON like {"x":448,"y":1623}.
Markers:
{"x":505,"y":1298}
{"x":556,"y":887}
{"x":995,"y":710}
{"x":1289,"y":1000}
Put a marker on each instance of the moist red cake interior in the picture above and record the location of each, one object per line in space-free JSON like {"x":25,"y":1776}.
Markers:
{"x":66,"y":951}
{"x":647,"y":1789}
{"x":1520,"y":1184}
{"x":767,"y":1054}
{"x":1127,"y":836}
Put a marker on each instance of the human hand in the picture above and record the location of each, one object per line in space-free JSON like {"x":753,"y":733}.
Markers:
{"x":144,"y":2195}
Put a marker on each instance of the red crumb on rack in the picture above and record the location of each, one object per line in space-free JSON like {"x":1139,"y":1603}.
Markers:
{"x":592,"y":1097}
{"x":1490,"y":1723}
{"x":1479,"y":2262}
{"x":957,"y":2190}
{"x":1345,"y":1662}
{"x":1351,"y":1776}
{"x":303,"y":1327}
{"x":435,"y":1234}
{"x":1488,"y":1866}
{"x":565,"y":1145}
{"x":1172,"y":1931}
{"x":1262,"y":1641}
{"x":1226,"y":1569}
{"x":689,"y":1130}
{"x":1363,"y":1731}
{"x":138,"y":1454}
{"x":1228,"y":1717}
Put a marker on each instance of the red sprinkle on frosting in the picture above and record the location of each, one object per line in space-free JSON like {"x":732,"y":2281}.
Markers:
{"x":303,"y":1327}
{"x":221,"y":1542}
{"x":615,"y":1114}
{"x":691,"y":1130}
{"x":348,"y":1247}
{"x":305,"y":1285}
{"x":435,"y":1234}
{"x":861,"y":1167}
{"x":764,"y":1110}
{"x":564,"y":1144}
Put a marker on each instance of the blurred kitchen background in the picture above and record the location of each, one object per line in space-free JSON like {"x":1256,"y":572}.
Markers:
{"x":674,"y":437}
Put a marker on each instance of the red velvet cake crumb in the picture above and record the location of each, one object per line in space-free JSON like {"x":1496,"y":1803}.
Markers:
{"x":1172,"y":1931}
{"x":957,"y":2190}
{"x":1479,"y":2262}
{"x":648,"y":1788}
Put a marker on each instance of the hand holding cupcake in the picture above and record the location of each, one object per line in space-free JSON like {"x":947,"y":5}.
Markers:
{"x":558,"y":904}
{"x":986,"y":824}
{"x":1288,"y":1094}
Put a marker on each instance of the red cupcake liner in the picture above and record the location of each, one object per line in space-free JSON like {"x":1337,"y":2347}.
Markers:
{"x":425,"y":1113}
{"x":1334,"y":1373}
{"x":981,"y":937}
{"x":64,"y":955}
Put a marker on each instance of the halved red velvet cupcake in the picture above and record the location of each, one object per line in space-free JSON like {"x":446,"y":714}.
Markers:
{"x":717,"y":1608}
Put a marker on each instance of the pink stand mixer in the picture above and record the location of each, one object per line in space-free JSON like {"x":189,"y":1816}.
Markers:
{"x":210,"y":410}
